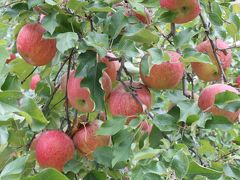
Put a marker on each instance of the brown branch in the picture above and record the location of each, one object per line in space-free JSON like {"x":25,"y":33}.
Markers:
{"x":29,"y":75}
{"x":131,"y":89}
{"x":66,"y":91}
{"x":6,"y":5}
{"x":60,"y":69}
{"x":207,"y":32}
{"x":225,"y":155}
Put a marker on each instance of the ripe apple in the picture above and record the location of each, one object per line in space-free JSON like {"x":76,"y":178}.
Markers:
{"x":33,"y":48}
{"x":165,"y":75}
{"x":86,"y":140}
{"x":11,"y":58}
{"x":238,"y":81}
{"x":79,"y":97}
{"x":207,"y":72}
{"x":207,"y":98}
{"x":121,"y":102}
{"x":54,"y":149}
{"x":186,"y":10}
{"x":106,"y":84}
{"x":111,"y":66}
{"x":144,"y":125}
{"x":34,"y":142}
{"x":34,"y":81}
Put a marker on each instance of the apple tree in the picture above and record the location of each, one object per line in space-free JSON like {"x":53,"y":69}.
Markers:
{"x":111,"y":89}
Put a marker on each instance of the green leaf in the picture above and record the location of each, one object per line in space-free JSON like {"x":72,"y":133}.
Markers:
{"x":72,"y":166}
{"x":167,"y":16}
{"x":91,"y":81}
{"x":165,"y":122}
{"x":112,"y":126}
{"x":30,"y":107}
{"x":231,"y":171}
{"x":98,"y":41}
{"x":180,"y":164}
{"x":50,"y":22}
{"x":143,"y":36}
{"x":95,"y":175}
{"x":117,"y":23}
{"x":48,"y":174}
{"x":196,"y":169}
{"x":146,"y":154}
{"x":219,"y":122}
{"x":104,"y":156}
{"x":66,"y":41}
{"x":121,"y":146}
{"x":14,"y":169}
{"x":215,"y":19}
{"x":183,"y":37}
{"x":99,"y":7}
{"x":188,"y":110}
{"x":8,"y":101}
{"x":3,"y":138}
{"x":228,"y":100}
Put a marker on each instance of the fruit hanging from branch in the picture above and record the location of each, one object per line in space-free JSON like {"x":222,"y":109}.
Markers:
{"x":122,"y":103}
{"x":54,"y":149}
{"x":33,"y":48}
{"x":165,"y":75}
{"x":111,"y":66}
{"x":208,"y":72}
{"x":34,"y":81}
{"x":207,"y":98}
{"x":86,"y":140}
{"x":184,"y":10}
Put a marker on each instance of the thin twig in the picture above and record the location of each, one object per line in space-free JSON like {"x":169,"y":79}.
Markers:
{"x":6,"y":5}
{"x":207,"y":32}
{"x":29,"y":75}
{"x":66,"y":91}
{"x":131,"y":89}
{"x":61,"y":67}
{"x":225,"y":155}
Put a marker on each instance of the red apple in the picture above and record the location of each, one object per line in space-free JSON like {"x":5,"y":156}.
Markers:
{"x":86,"y":140}
{"x":238,"y":81}
{"x":111,"y":66}
{"x":207,"y":98}
{"x":33,"y":48}
{"x":207,"y":72}
{"x":121,"y":102}
{"x":54,"y":149}
{"x":34,"y":81}
{"x":165,"y":75}
{"x":144,"y":125}
{"x":186,"y":10}
{"x":79,"y":97}
{"x":41,"y":17}
{"x":106,"y":84}
{"x":11,"y":58}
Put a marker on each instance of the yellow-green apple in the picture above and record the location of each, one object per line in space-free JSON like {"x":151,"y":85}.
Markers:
{"x":111,"y":66}
{"x":33,"y":48}
{"x":207,"y":98}
{"x":165,"y":75}
{"x":122,"y":103}
{"x":79,"y":97}
{"x":185,"y":10}
{"x":54,"y":149}
{"x":86,"y":140}
{"x":207,"y":72}
{"x":34,"y":81}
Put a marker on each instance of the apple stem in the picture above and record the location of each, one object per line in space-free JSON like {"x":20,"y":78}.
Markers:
{"x":29,"y":75}
{"x":214,"y":49}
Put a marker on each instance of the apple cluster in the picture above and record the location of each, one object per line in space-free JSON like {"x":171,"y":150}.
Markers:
{"x":54,"y":148}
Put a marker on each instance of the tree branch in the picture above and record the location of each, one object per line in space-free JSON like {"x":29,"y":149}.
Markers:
{"x":29,"y":75}
{"x":219,"y":63}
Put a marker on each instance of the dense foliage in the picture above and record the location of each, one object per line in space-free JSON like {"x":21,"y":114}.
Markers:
{"x":177,"y":139}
